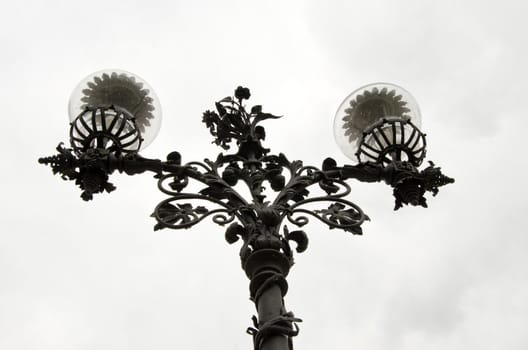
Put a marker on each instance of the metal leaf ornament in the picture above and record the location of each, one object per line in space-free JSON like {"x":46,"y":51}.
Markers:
{"x":370,"y":107}
{"x":122,"y":90}
{"x":180,"y":214}
{"x":339,"y":214}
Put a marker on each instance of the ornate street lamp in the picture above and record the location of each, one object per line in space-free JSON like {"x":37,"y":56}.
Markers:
{"x":114,"y":114}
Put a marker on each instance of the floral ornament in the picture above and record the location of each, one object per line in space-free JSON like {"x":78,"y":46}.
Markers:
{"x":242,"y":93}
{"x":122,"y":90}
{"x":231,"y":122}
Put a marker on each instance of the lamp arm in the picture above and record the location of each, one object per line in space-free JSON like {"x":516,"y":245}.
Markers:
{"x":90,"y":170}
{"x":408,"y":182}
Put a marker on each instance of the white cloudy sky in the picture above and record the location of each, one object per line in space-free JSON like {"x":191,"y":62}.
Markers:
{"x":78,"y":275}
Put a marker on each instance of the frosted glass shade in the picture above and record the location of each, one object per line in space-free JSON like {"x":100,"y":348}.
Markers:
{"x":124,"y":90}
{"x":369,"y":107}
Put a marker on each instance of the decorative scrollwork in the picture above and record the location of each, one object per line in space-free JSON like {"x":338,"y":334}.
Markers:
{"x":173,"y":215}
{"x":340,"y":214}
{"x":171,"y":184}
{"x":300,"y":237}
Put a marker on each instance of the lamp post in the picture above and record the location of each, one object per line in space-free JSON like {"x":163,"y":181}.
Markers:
{"x":114,"y":114}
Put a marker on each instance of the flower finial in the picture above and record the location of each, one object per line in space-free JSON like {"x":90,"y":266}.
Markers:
{"x":242,"y":93}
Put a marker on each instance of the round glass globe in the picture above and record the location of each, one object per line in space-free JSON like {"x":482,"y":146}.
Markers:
{"x":122,"y":89}
{"x":370,"y":105}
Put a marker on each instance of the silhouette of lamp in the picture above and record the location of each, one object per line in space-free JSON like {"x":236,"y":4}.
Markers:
{"x":114,"y":114}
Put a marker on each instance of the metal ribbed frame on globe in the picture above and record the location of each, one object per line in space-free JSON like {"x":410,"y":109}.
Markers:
{"x":111,"y":128}
{"x":411,"y":142}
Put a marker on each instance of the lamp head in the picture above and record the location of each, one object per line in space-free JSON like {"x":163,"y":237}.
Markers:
{"x":380,"y":123}
{"x":115,"y":110}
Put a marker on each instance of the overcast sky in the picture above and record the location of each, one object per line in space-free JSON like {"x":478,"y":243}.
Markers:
{"x":77,"y":275}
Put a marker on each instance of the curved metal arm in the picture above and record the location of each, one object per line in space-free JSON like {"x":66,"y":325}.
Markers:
{"x":341,"y":213}
{"x":410,"y":184}
{"x":186,"y":215}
